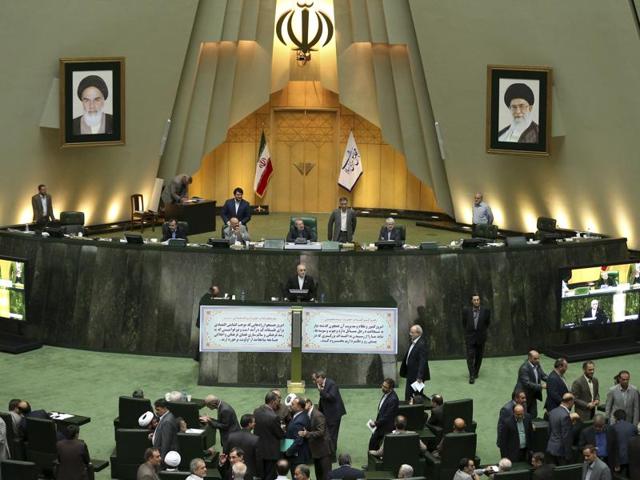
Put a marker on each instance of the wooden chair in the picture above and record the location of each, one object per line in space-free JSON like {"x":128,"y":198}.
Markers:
{"x":138,"y":212}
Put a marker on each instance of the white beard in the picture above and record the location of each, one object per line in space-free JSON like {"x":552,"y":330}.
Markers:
{"x":522,"y":123}
{"x":93,"y":119}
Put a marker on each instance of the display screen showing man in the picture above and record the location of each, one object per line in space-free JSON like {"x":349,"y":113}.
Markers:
{"x":519,"y":99}
{"x":93,"y":92}
{"x":42,"y":206}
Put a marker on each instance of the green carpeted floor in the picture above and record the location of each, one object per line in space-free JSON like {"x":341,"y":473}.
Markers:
{"x":89,"y":383}
{"x":276,"y":225}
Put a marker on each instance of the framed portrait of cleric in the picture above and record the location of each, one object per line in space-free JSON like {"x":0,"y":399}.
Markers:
{"x":92,"y":101}
{"x":518,"y":109}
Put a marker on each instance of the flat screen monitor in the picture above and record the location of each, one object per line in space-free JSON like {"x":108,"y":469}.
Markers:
{"x":599,"y":295}
{"x":13,"y":288}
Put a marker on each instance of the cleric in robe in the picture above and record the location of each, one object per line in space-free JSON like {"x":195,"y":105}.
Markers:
{"x":92,"y":92}
{"x":519,"y":98}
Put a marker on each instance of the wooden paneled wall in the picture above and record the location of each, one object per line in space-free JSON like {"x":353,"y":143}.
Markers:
{"x":307,"y":130}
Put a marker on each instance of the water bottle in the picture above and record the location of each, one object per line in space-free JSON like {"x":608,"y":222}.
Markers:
{"x":243,"y":295}
{"x":322,"y":297}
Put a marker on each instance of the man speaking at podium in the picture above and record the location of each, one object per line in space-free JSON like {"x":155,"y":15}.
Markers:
{"x":301,"y":287}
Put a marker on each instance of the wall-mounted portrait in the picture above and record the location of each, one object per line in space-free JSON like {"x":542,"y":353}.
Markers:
{"x":92,"y":101}
{"x":518,"y":109}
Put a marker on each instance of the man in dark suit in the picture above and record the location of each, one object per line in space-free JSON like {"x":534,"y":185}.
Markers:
{"x":177,"y":191}
{"x":634,"y":458}
{"x":302,"y":282}
{"x":594,"y":468}
{"x":331,"y":406}
{"x":270,"y":432}
{"x":518,"y":397}
{"x":561,"y":432}
{"x":516,"y":435}
{"x":345,"y":470}
{"x":387,"y":411}
{"x":319,"y":441}
{"x":586,"y":391}
{"x":475,"y":322}
{"x":595,"y":313}
{"x":249,"y":443}
{"x":298,"y":453}
{"x":415,"y":364}
{"x":172,"y":229}
{"x":621,"y":434}
{"x":342,"y":223}
{"x":300,"y":230}
{"x":389,"y":232}
{"x":556,"y":384}
{"x":541,"y":469}
{"x":149,"y":469}
{"x":227,"y":420}
{"x":599,"y":435}
{"x":437,"y":413}
{"x":530,"y":380}
{"x":165,"y":436}
{"x":73,"y":456}
{"x":42,"y":206}
{"x":236,"y":207}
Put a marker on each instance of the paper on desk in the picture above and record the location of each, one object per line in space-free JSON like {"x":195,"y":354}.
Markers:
{"x":369,"y":423}
{"x":60,"y":416}
{"x":194,"y":431}
{"x":417,"y":386}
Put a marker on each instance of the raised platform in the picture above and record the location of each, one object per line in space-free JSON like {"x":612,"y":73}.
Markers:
{"x":15,"y":344}
{"x":582,"y":351}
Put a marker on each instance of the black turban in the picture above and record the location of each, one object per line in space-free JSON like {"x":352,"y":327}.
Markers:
{"x":93,"y":81}
{"x":518,"y":90}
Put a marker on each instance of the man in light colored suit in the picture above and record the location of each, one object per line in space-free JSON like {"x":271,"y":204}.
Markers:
{"x":623,"y":396}
{"x":177,"y":190}
{"x":593,"y":468}
{"x":561,"y":431}
{"x":149,"y":469}
{"x":342,"y":223}
{"x":42,"y":206}
{"x":165,"y":437}
{"x":235,"y":232}
{"x":586,"y":391}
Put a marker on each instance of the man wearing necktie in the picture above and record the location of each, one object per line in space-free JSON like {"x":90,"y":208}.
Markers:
{"x":42,"y":206}
{"x":475,"y":322}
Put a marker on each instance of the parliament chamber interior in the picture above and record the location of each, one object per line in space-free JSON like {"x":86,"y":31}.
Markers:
{"x":320,"y":239}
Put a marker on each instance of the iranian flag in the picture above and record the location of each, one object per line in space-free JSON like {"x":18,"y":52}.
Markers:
{"x":264,"y":168}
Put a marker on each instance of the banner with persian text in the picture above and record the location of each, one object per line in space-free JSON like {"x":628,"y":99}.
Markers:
{"x":350,"y":330}
{"x":245,"y":329}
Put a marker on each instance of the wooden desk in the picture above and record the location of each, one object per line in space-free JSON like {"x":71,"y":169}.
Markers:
{"x":201,"y":216}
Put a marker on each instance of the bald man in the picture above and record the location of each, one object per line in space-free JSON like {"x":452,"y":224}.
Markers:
{"x":227,"y":421}
{"x":415,"y":364}
{"x":531,"y":380}
{"x":561,"y":431}
{"x":301,"y":287}
{"x":516,"y":434}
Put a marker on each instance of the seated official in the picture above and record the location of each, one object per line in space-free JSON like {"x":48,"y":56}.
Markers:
{"x":303,"y":283}
{"x":345,"y":470}
{"x":300,"y":230}
{"x":605,"y":281}
{"x":235,"y":232}
{"x":172,"y":229}
{"x":389,"y":232}
{"x":401,"y":429}
{"x":236,"y":207}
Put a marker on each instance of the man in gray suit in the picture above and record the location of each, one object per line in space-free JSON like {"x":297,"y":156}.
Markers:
{"x":561,"y":431}
{"x":593,"y":468}
{"x":586,"y":391}
{"x":42,"y":206}
{"x":149,"y":469}
{"x":342,"y":223}
{"x":178,"y":189}
{"x":623,"y":396}
{"x":165,"y":437}
{"x":235,"y":232}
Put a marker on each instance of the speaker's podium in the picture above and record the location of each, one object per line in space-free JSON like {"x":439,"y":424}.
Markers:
{"x":275,"y":343}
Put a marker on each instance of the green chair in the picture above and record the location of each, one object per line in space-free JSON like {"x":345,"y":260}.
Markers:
{"x":567,"y":472}
{"x":130,"y":409}
{"x":16,"y":447}
{"x":131,"y":444}
{"x":398,"y":449}
{"x":540,"y":436}
{"x":454,"y":447}
{"x":188,"y":411}
{"x":72,"y":222}
{"x":311,"y":222}
{"x":450,"y":411}
{"x":513,"y":475}
{"x":416,"y":422}
{"x":18,"y":470}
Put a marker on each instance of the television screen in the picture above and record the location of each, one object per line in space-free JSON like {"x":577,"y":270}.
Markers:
{"x":12,"y":289}
{"x":599,"y":295}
